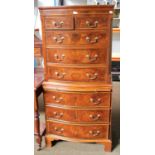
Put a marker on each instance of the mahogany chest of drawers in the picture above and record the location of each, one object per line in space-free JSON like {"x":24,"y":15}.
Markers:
{"x":77,"y":71}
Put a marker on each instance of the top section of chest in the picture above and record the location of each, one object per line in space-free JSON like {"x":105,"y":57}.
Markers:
{"x":76,"y":17}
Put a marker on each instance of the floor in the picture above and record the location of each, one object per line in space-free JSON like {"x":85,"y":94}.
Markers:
{"x":69,"y":148}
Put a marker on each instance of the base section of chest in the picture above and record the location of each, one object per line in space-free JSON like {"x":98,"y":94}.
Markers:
{"x":107,"y":142}
{"x":77,"y":113}
{"x":78,"y":131}
{"x":92,"y":133}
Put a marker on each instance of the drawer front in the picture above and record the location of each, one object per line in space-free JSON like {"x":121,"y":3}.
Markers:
{"x":60,"y":129}
{"x":52,"y":97}
{"x":76,"y":74}
{"x":78,"y":131}
{"x":37,"y":52}
{"x":93,"y":116}
{"x":81,"y":56}
{"x":75,"y":115}
{"x":59,"y":22}
{"x":93,"y":38}
{"x":93,"y":99}
{"x":93,"y":132}
{"x":60,"y":114}
{"x":92,"y":21}
{"x":77,"y":99}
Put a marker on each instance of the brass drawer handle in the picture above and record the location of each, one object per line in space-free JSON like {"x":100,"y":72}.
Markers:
{"x":59,"y":130}
{"x":95,"y":101}
{"x":92,"y":76}
{"x":60,"y":75}
{"x":91,"y":59}
{"x":94,"y":132}
{"x":57,"y":115}
{"x":92,"y":25}
{"x":88,"y":39}
{"x":57,"y":99}
{"x":58,"y":24}
{"x":95,"y":117}
{"x":59,"y":58}
{"x":58,"y":39}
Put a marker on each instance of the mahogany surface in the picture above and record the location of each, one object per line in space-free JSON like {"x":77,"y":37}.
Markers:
{"x":77,"y":38}
{"x":78,"y":131}
{"x":77,"y":72}
{"x":80,"y":73}
{"x":37,"y":47}
{"x":78,"y":115}
{"x":55,"y":22}
{"x":80,"y":56}
{"x":39,"y":129}
{"x":80,"y":21}
{"x":89,"y":99}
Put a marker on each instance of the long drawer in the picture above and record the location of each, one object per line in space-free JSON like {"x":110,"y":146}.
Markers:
{"x":76,"y":73}
{"x":91,"y":99}
{"x":80,"y":56}
{"x":78,"y":131}
{"x":78,"y":38}
{"x":78,"y":115}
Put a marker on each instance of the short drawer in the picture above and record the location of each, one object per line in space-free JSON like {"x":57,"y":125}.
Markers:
{"x":61,"y":98}
{"x":77,"y":38}
{"x":78,"y":131}
{"x":91,"y":21}
{"x":60,"y":114}
{"x":59,"y":22}
{"x":93,"y":132}
{"x":93,"y":116}
{"x":37,"y":52}
{"x":76,"y":74}
{"x":60,"y":129}
{"x":78,"y":98}
{"x":80,"y":56}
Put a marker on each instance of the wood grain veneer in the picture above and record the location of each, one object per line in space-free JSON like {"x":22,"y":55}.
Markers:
{"x":77,"y":60}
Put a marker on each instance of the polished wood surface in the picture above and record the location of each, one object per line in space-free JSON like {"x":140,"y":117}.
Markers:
{"x":38,"y":80}
{"x":76,"y":74}
{"x":78,"y":130}
{"x":78,"y":115}
{"x":76,"y":38}
{"x":59,"y":22}
{"x":51,"y":85}
{"x":73,"y":10}
{"x":39,"y":129}
{"x":37,"y":47}
{"x":37,"y":52}
{"x":93,"y":21}
{"x":77,"y":61}
{"x":88,"y":99}
{"x":106,"y":142}
{"x":79,"y":56}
